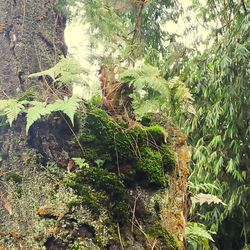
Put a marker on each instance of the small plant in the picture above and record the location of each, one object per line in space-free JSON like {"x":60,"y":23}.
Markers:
{"x":66,"y":71}
{"x":152,"y":93}
{"x":198,"y":236}
{"x":35,"y":110}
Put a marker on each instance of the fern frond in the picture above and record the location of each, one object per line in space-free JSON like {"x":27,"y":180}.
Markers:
{"x":144,"y":77}
{"x":197,"y":231}
{"x":152,"y":90}
{"x":206,"y":198}
{"x":68,"y":106}
{"x":35,"y":112}
{"x":11,"y":108}
{"x":66,"y":71}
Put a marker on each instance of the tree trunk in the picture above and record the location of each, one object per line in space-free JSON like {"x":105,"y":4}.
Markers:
{"x":31,"y":37}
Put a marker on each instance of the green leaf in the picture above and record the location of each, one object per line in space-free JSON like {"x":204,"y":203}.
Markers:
{"x":198,"y":230}
{"x":35,"y":112}
{"x":11,"y":108}
{"x":67,"y":70}
{"x":68,"y":106}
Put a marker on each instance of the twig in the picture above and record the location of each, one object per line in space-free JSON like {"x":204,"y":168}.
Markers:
{"x":119,"y":235}
{"x":133,"y":213}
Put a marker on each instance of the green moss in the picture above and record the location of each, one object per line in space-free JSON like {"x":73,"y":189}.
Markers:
{"x":141,"y":148}
{"x":149,"y":168}
{"x":87,"y":136}
{"x":169,"y":241}
{"x":111,"y":136}
{"x":156,"y":133}
{"x":12,"y":176}
{"x":146,"y":120}
{"x":93,"y":153}
{"x":88,"y":197}
{"x":168,"y":157}
{"x":107,"y":190}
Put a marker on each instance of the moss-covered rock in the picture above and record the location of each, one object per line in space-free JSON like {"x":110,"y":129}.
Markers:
{"x":106,"y":190}
{"x":141,"y":148}
{"x":114,"y":197}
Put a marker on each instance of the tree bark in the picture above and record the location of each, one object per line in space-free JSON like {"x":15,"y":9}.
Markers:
{"x":31,"y":38}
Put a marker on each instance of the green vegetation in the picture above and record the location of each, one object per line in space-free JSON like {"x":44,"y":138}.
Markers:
{"x":117,"y":160}
{"x":141,"y":149}
{"x":215,"y":69}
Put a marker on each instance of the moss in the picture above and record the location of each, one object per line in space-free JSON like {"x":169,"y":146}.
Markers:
{"x":168,"y":241}
{"x":149,"y":168}
{"x":88,"y":197}
{"x":107,"y":190}
{"x":110,"y":136}
{"x":87,"y":136}
{"x":93,"y":153}
{"x":146,"y":120}
{"x":12,"y":176}
{"x":141,"y":148}
{"x":168,"y":157}
{"x":157,"y":133}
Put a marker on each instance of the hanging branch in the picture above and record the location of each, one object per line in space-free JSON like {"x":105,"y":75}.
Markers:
{"x":136,"y":40}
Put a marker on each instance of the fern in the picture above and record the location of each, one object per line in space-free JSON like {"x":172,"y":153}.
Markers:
{"x":68,"y":106}
{"x":197,"y":236}
{"x":11,"y":108}
{"x":206,"y":198}
{"x":152,"y":93}
{"x":67,"y":70}
{"x":35,"y":110}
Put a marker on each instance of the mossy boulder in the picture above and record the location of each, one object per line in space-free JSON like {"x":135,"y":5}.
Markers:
{"x":118,"y":145}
